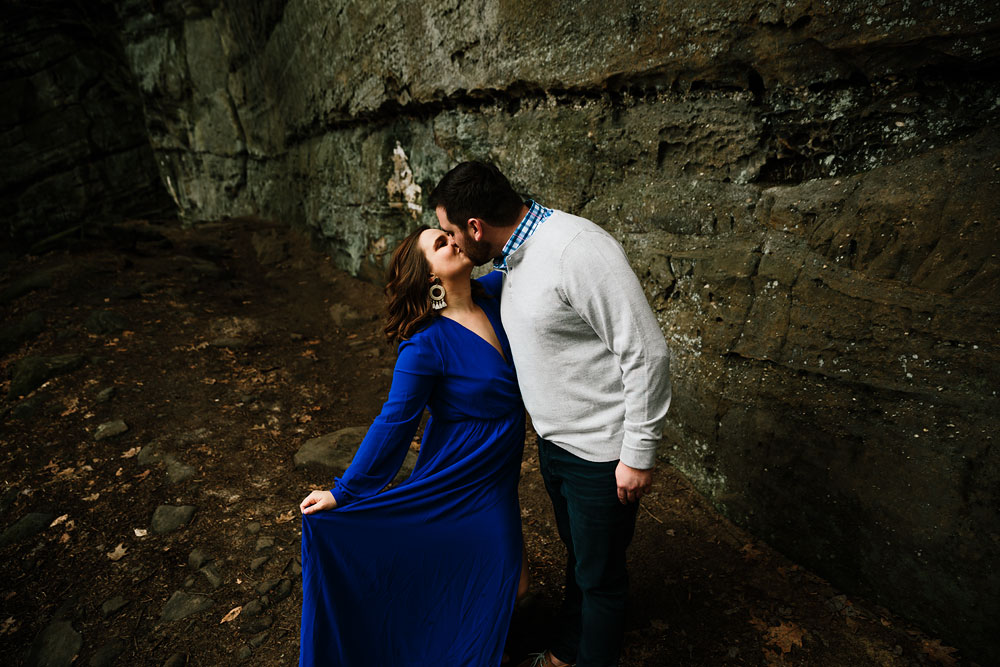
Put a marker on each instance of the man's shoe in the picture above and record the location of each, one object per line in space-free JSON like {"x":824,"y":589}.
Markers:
{"x":543,"y":659}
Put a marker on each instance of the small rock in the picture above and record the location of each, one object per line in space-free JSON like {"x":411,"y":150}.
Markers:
{"x":107,"y":654}
{"x":30,"y":373}
{"x":110,"y":429}
{"x":28,"y":408}
{"x":12,"y":335}
{"x":112,"y":606}
{"x":258,"y":563}
{"x":106,"y":394}
{"x":334,"y":450}
{"x":343,"y":315}
{"x":56,"y":646}
{"x":150,"y":454}
{"x":8,"y":499}
{"x":257,"y":640}
{"x":282,"y":591}
{"x":211,"y":572}
{"x":176,"y":660}
{"x":254,"y":624}
{"x":197,"y":436}
{"x":197,"y":558}
{"x":264,"y":542}
{"x":264,"y":586}
{"x":271,"y":248}
{"x":105,"y":322}
{"x":38,"y":280}
{"x":181,"y":605}
{"x":27,"y":526}
{"x":169,"y":517}
{"x":178,"y":472}
{"x":252,"y":608}
{"x":253,"y":527}
{"x":189,"y":582}
{"x":244,"y":653}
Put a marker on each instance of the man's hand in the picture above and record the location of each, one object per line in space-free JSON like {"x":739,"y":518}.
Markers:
{"x":632,"y":483}
{"x":318,"y":501}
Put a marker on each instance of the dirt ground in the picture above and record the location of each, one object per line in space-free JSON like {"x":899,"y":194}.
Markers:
{"x":229,"y":345}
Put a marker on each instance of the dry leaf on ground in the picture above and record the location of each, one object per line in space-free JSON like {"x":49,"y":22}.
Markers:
{"x":118,"y":553}
{"x":231,"y":616}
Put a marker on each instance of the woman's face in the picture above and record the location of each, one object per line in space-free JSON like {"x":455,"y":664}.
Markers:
{"x":443,"y":255}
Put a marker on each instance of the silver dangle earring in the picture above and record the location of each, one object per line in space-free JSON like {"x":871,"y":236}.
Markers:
{"x":437,"y":296}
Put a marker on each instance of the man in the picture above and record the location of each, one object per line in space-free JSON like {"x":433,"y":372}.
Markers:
{"x":593,"y":371}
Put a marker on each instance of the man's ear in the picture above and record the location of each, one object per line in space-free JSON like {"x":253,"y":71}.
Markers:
{"x":476,"y":228}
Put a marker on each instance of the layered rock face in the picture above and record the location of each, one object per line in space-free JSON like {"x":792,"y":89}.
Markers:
{"x":808,"y":191}
{"x":72,"y":136}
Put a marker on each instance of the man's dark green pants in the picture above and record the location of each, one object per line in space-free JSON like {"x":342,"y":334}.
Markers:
{"x":596,"y":529}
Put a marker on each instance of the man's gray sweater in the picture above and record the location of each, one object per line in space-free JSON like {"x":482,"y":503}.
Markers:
{"x":591,"y":360}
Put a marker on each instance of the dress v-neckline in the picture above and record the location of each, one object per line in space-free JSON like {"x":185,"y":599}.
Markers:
{"x":498,"y":350}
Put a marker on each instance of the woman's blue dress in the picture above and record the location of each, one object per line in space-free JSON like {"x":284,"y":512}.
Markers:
{"x":424,"y":573}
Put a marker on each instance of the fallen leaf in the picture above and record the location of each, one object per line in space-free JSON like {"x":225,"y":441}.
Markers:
{"x":9,"y":626}
{"x":143,"y":475}
{"x":140,"y":532}
{"x":70,"y":407}
{"x":118,"y":553}
{"x":785,"y":636}
{"x":938,"y":652}
{"x":59,"y":520}
{"x":750,"y":552}
{"x":64,"y":538}
{"x":231,"y":616}
{"x":286,"y":517}
{"x":130,"y":453}
{"x":92,"y":497}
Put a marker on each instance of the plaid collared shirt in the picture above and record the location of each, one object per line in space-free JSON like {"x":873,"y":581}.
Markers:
{"x":536,"y":215}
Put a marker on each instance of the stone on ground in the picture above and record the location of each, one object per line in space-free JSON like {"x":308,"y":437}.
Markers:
{"x":27,"y":526}
{"x":110,"y":429}
{"x":334,"y":450}
{"x":107,"y":654}
{"x":56,"y":646}
{"x":181,"y":605}
{"x":105,"y":322}
{"x":170,"y":517}
{"x":30,"y":373}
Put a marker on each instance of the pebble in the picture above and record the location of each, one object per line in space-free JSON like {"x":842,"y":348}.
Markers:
{"x":105,"y":322}
{"x":181,"y":605}
{"x":264,"y":542}
{"x":56,"y":646}
{"x":282,"y":591}
{"x":244,"y":653}
{"x":257,"y":563}
{"x":253,"y":527}
{"x":27,"y":526}
{"x":333,"y":450}
{"x":149,"y":454}
{"x":107,"y":654}
{"x":113,"y":605}
{"x":178,"y":472}
{"x":258,"y":639}
{"x":106,"y":394}
{"x":168,"y":517}
{"x":252,"y":608}
{"x":176,"y":660}
{"x":211,"y":572}
{"x":254,"y":624}
{"x":197,"y":558}
{"x":110,"y":429}
{"x":29,"y":373}
{"x":264,"y":586}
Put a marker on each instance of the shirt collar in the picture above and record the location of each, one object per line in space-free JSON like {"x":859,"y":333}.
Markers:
{"x":536,"y":215}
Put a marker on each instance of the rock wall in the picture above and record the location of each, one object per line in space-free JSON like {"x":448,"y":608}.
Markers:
{"x":807,"y":189}
{"x":72,"y":137}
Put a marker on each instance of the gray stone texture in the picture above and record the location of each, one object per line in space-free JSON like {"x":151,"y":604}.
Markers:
{"x":167,"y":518}
{"x":55,"y":646}
{"x":806,"y":190}
{"x":181,"y":605}
{"x":30,"y":373}
{"x":72,"y":136}
{"x":27,"y":526}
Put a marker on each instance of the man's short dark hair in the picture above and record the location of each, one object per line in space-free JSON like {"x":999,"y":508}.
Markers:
{"x":477,"y":190}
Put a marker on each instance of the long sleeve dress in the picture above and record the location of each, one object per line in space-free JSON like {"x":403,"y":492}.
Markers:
{"x":424,"y":573}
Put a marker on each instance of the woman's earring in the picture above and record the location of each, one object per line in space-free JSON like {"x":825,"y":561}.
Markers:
{"x":437,"y":297}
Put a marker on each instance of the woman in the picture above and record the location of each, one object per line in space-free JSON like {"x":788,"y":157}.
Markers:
{"x":425,"y":573}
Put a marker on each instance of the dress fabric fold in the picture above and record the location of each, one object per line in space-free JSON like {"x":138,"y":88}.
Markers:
{"x":424,"y":573}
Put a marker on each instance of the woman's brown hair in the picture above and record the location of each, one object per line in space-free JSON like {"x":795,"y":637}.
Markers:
{"x":407,"y":285}
{"x":408,"y":281}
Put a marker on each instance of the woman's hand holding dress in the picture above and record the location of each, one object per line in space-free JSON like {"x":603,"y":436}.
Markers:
{"x":317,"y":501}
